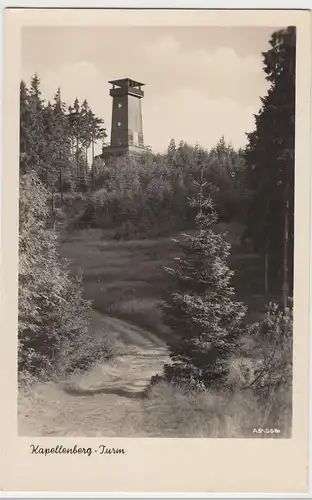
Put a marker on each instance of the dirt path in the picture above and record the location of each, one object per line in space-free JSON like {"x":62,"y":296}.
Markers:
{"x":104,"y":401}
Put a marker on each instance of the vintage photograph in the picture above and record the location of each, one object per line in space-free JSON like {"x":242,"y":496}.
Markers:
{"x":156,"y":231}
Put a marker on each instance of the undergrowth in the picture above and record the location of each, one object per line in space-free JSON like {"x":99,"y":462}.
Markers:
{"x":177,"y":411}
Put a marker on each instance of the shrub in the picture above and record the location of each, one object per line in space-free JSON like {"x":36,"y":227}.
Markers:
{"x":264,"y":364}
{"x":52,"y":311}
{"x":274,"y":340}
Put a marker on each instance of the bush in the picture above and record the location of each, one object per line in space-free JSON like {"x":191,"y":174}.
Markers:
{"x":264,"y":364}
{"x":53,"y":318}
{"x":274,"y":340}
{"x":79,"y":357}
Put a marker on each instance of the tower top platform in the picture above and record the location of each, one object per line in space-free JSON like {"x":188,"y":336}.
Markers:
{"x":126,"y":82}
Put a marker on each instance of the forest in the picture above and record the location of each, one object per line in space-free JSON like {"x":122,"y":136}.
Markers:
{"x":194,"y":246}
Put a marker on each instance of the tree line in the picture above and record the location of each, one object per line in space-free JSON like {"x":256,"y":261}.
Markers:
{"x":55,"y":139}
{"x":148,"y":198}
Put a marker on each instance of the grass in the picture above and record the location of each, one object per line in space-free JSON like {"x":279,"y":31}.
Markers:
{"x":166,"y":411}
{"x":124,"y":278}
{"x":177,"y":412}
{"x":143,"y":312}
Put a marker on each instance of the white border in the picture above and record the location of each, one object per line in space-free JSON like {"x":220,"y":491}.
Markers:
{"x":172,"y":4}
{"x":193,"y":4}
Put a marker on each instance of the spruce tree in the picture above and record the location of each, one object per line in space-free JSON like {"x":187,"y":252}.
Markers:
{"x":86,"y":124}
{"x":25,"y":124}
{"x":199,"y":305}
{"x":75,"y":131}
{"x":171,"y":152}
{"x":36,"y":144}
{"x":62,"y":141}
{"x":270,"y":159}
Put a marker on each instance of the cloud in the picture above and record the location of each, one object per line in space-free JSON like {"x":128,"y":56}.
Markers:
{"x":195,"y":117}
{"x":75,"y":79}
{"x":164,"y":47}
{"x":222,"y":72}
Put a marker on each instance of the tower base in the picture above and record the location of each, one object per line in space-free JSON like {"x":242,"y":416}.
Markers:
{"x":111,"y":151}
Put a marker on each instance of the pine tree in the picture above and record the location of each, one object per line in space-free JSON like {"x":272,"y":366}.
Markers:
{"x":25,"y":124}
{"x":199,"y":305}
{"x":270,"y":160}
{"x":98,"y":133}
{"x":86,"y":130}
{"x":50,"y":153}
{"x":171,"y":152}
{"x":75,"y":128}
{"x":31,"y":128}
{"x":61,"y":138}
{"x":36,"y":143}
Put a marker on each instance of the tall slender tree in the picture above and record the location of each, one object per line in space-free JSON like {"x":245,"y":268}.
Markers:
{"x":49,"y":155}
{"x":98,"y":133}
{"x":75,"y":127}
{"x":86,"y":130}
{"x":61,"y":138}
{"x":270,"y":159}
{"x":25,"y":124}
{"x":36,"y":142}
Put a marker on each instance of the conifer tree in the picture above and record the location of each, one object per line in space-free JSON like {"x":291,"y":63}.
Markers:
{"x":75,"y":128}
{"x":199,"y":306}
{"x":50,"y":153}
{"x":86,"y":134}
{"x":270,"y":160}
{"x":97,"y":132}
{"x":61,"y":138}
{"x":25,"y":124}
{"x":36,"y":142}
{"x":171,"y":152}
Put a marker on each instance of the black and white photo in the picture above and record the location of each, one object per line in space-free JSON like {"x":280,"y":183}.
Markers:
{"x":155,"y":256}
{"x":160,"y":163}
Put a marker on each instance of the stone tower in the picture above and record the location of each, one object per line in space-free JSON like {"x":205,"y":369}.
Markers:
{"x":127,"y":128}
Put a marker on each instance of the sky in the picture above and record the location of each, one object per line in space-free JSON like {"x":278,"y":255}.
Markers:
{"x":202,"y":83}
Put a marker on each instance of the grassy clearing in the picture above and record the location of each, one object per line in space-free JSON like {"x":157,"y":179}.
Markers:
{"x":123,"y":279}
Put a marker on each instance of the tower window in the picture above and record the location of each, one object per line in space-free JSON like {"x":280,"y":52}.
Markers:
{"x":119,"y":124}
{"x":119,"y":105}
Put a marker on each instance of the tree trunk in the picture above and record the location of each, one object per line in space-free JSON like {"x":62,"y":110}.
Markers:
{"x":92,"y":171}
{"x":285,"y":253}
{"x":53,"y":202}
{"x":61,"y":186}
{"x":266,"y":268}
{"x":77,"y":158}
